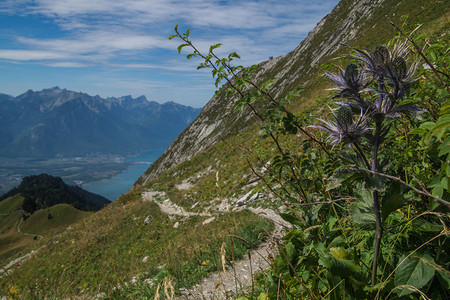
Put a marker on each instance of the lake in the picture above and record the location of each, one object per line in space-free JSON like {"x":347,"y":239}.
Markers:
{"x":113,"y":187}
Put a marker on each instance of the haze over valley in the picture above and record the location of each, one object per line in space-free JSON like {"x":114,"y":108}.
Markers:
{"x":80,"y":137}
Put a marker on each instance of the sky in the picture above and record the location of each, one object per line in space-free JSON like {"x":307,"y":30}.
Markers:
{"x":114,"y":48}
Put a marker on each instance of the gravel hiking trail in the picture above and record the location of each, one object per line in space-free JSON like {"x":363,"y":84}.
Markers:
{"x":220,"y":284}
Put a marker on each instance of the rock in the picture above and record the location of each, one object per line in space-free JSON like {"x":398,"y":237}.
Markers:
{"x":148,"y":219}
{"x":176,"y":225}
{"x":243,"y":200}
{"x":207,"y":221}
{"x":145,"y":259}
{"x":246,"y":199}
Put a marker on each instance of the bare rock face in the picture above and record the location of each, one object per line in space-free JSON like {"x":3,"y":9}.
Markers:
{"x":218,"y":120}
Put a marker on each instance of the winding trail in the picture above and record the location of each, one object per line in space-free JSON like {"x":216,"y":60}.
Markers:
{"x":221,"y":285}
{"x":38,"y":236}
{"x":7,"y":269}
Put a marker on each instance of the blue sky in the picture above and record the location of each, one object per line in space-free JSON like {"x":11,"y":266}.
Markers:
{"x":114,"y":48}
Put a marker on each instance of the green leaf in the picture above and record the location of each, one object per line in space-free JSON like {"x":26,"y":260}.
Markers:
{"x":362,"y":210}
{"x":437,"y":191}
{"x":290,"y":251}
{"x":415,"y":271}
{"x":444,"y":278}
{"x":214,"y":47}
{"x":444,"y":183}
{"x":263,"y":296}
{"x":339,"y":266}
{"x":426,"y":226}
{"x":291,"y":219}
{"x":445,"y":109}
{"x":181,"y":47}
{"x":392,"y":199}
{"x":442,"y":126}
{"x":445,"y":147}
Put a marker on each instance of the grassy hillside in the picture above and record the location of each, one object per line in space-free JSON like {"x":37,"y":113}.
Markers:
{"x":11,"y":242}
{"x":56,"y":217}
{"x":35,"y":227}
{"x":117,"y":244}
{"x":133,"y":239}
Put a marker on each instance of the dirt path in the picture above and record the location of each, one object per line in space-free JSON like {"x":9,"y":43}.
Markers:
{"x":220,"y":285}
{"x":168,"y":207}
{"x":4,"y":271}
{"x":38,"y":236}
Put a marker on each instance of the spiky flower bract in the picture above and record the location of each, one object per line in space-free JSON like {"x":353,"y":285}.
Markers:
{"x":344,"y":129}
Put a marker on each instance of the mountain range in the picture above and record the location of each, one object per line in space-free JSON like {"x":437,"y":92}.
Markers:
{"x":59,"y":123}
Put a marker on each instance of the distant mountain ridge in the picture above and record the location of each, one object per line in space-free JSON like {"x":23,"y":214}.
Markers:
{"x":58,"y":122}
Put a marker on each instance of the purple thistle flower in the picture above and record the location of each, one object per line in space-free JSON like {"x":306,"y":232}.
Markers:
{"x":345,"y":129}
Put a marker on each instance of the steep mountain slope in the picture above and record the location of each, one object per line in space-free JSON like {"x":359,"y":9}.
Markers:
{"x":58,"y":122}
{"x":356,"y":23}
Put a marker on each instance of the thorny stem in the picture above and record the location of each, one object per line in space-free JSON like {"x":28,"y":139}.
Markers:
{"x":425,"y":193}
{"x":260,"y":117}
{"x":287,"y":204}
{"x":361,"y":154}
{"x":376,"y":202}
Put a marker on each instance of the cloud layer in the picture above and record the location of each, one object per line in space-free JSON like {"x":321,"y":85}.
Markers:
{"x":132,"y":34}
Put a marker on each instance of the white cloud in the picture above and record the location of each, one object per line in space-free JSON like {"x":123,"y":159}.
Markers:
{"x":27,"y":55}
{"x":131,"y":35}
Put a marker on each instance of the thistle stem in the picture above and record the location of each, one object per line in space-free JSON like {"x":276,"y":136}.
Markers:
{"x":376,"y":202}
{"x":361,"y":154}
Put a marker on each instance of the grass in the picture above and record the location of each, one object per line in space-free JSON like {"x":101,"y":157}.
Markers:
{"x":53,"y":218}
{"x":107,"y":249}
{"x":14,"y":243}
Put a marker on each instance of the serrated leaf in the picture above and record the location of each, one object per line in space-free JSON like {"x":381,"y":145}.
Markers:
{"x":392,"y":199}
{"x":290,"y":250}
{"x":415,"y":271}
{"x":291,"y":219}
{"x":426,"y":226}
{"x":339,"y":266}
{"x":445,"y":147}
{"x":362,"y":210}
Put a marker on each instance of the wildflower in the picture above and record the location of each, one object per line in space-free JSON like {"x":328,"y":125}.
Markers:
{"x":345,"y":129}
{"x":388,"y":66}
{"x":349,"y":82}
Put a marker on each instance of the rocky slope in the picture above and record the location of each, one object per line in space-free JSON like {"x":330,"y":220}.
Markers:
{"x":351,"y":22}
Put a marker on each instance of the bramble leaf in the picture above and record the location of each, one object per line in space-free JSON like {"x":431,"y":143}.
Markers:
{"x":415,"y":271}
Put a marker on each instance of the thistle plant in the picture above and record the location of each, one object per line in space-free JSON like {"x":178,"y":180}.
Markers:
{"x":385,"y":75}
